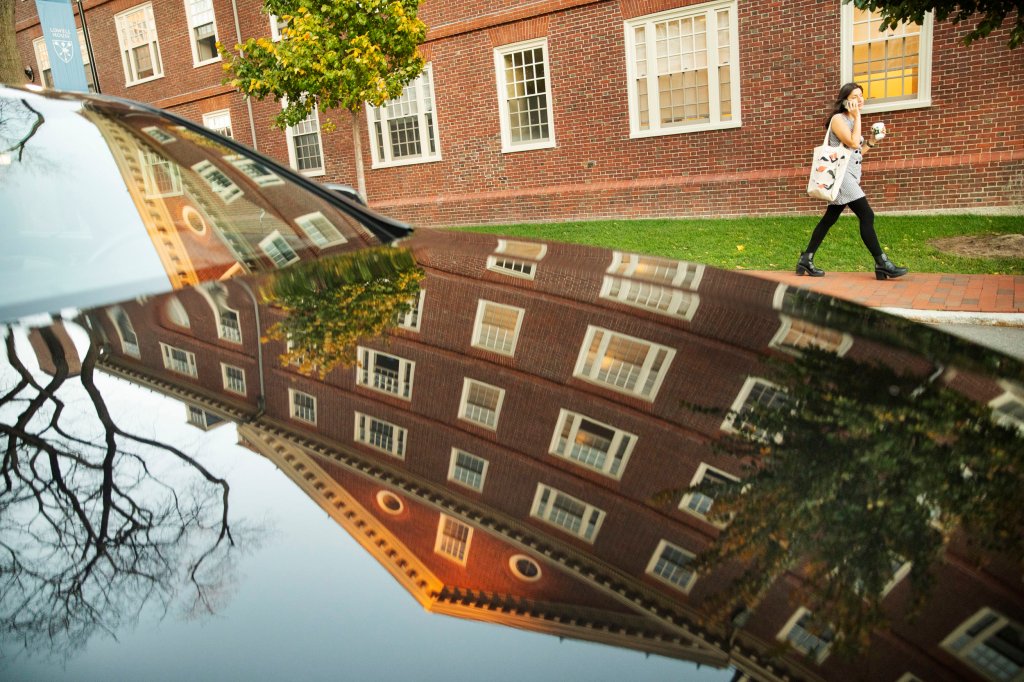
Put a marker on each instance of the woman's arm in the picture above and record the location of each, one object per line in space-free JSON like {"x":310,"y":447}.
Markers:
{"x":851,"y":138}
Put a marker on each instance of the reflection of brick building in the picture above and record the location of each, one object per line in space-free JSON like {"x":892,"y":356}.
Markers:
{"x":502,"y":453}
{"x":604,"y":108}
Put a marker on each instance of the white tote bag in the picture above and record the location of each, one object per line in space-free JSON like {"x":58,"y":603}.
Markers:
{"x":828,"y":170}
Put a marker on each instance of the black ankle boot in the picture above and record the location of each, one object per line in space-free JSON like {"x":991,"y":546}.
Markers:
{"x":805,"y":266}
{"x":886,"y":269}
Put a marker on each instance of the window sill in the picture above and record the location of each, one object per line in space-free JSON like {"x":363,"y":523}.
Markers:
{"x":405,"y":162}
{"x":701,"y":128}
{"x":882,"y":107}
{"x":131,"y":84}
{"x":196,"y":65}
{"x":311,"y":173}
{"x":546,"y":144}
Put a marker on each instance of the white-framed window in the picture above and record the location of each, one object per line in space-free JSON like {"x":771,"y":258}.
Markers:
{"x":43,"y":62}
{"x":159,"y":134}
{"x":683,"y":70}
{"x":302,"y":406}
{"x":320,"y":230}
{"x":756,"y":394}
{"x":202,"y":32}
{"x":453,"y":538}
{"x":481,"y":403}
{"x":125,"y":330}
{"x":517,"y":249}
{"x":278,"y":249}
{"x":511,"y":266}
{"x":161,"y":177}
{"x":219,"y":122}
{"x":894,"y":66}
{"x":671,"y":565}
{"x":228,"y":327}
{"x":991,"y":644}
{"x":623,"y":363}
{"x":234,"y":378}
{"x":404,"y":130}
{"x":807,"y":636}
{"x":1008,"y":407}
{"x":524,"y":96}
{"x":176,"y":312}
{"x":385,"y":373}
{"x":277,"y":27}
{"x":200,"y":418}
{"x":673,"y":273}
{"x":381,"y":435}
{"x":390,"y":502}
{"x":699,"y":503}
{"x":497,"y":327}
{"x":654,"y":297}
{"x":592,"y":444}
{"x":467,"y":470}
{"x":305,"y":152}
{"x":563,"y":511}
{"x":179,"y":360}
{"x":140,"y":51}
{"x":256,"y":171}
{"x":524,"y":568}
{"x":411,"y":319}
{"x":794,"y":334}
{"x":219,"y":182}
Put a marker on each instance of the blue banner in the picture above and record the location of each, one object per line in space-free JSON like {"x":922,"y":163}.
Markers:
{"x":61,"y":36}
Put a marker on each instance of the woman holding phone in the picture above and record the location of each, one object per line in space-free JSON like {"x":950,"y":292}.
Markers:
{"x":844,"y":124}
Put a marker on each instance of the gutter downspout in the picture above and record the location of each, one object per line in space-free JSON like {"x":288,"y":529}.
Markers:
{"x":248,"y":102}
{"x":261,"y":399}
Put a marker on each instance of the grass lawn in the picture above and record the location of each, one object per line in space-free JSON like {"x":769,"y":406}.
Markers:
{"x":775,"y":243}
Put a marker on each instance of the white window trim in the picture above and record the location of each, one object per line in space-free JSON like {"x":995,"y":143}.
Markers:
{"x":451,"y":470}
{"x":367,"y":356}
{"x":224,"y":367}
{"x":292,"y":412}
{"x":440,"y":537}
{"x":741,"y":399}
{"x":275,"y":33}
{"x":159,"y":134}
{"x":192,"y":36}
{"x":478,"y":327}
{"x":210,"y":116}
{"x":426,"y":156}
{"x":207,"y":169}
{"x":127,"y":347}
{"x":270,"y":238}
{"x":645,"y":370}
{"x":685,"y":589}
{"x":492,"y":265}
{"x":702,"y":471}
{"x":303,"y":221}
{"x":682,"y":305}
{"x":383,"y":496}
{"x":924,"y":75}
{"x":783,"y":636}
{"x":508,"y":246}
{"x":577,"y":420}
{"x":1008,"y":397}
{"x":1000,"y":622}
{"x":42,"y":59}
{"x":125,"y":59}
{"x":514,"y":568}
{"x":405,"y":321}
{"x":714,"y":104}
{"x":240,"y":162}
{"x":190,"y":360}
{"x":396,"y":451}
{"x":786,"y":324}
{"x":588,"y":511}
{"x":634,"y":261}
{"x":293,"y":157}
{"x":499,"y":69}
{"x":464,"y":402}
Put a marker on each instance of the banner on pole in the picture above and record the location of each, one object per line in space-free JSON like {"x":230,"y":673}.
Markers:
{"x":62,"y":46}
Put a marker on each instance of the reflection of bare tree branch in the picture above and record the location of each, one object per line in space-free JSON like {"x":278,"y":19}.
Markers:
{"x":5,"y":119}
{"x":89,"y":532}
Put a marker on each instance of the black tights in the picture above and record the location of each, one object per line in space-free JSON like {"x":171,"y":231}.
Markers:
{"x":863,"y":212}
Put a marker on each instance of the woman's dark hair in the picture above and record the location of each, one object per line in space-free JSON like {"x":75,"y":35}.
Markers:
{"x":844,"y":94}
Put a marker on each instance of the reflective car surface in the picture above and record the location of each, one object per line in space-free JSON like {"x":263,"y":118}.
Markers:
{"x":251,"y":429}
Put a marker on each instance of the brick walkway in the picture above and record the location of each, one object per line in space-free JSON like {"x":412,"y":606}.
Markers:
{"x":966,"y":293}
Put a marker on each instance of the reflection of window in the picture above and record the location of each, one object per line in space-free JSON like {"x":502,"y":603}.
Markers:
{"x":202,"y":32}
{"x":178,"y":360}
{"x":404,"y":129}
{"x":390,"y":502}
{"x":715,"y":480}
{"x":140,"y":53}
{"x":199,"y":417}
{"x":158,"y":134}
{"x":568,"y":513}
{"x":320,"y":230}
{"x":592,"y":444}
{"x":683,"y":70}
{"x":385,"y":373}
{"x":510,"y":266}
{"x":304,"y":151}
{"x":43,"y":62}
{"x":656,"y":284}
{"x":277,"y":26}
{"x":481,"y":403}
{"x":453,"y":539}
{"x":807,"y":636}
{"x":234,"y":378}
{"x":256,"y":171}
{"x":468,"y":470}
{"x":524,"y":96}
{"x":277,"y":248}
{"x":674,"y":273}
{"x":220,"y":183}
{"x":411,"y":319}
{"x":381,"y":435}
{"x":671,"y":565}
{"x":528,"y":250}
{"x":894,"y":66}
{"x":176,"y":312}
{"x":160,"y":176}
{"x":1008,"y":408}
{"x":497,"y":327}
{"x":650,"y":297}
{"x":303,"y":406}
{"x":794,"y":334}
{"x":991,"y":644}
{"x":125,"y":330}
{"x":524,"y":568}
{"x":228,"y":327}
{"x":623,"y":363}
{"x":755,"y":396}
{"x":219,"y":122}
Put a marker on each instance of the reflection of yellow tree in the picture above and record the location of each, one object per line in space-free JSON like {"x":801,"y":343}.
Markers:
{"x":862,"y":472}
{"x":330,"y":304}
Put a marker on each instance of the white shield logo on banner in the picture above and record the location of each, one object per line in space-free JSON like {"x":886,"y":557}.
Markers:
{"x":63,"y":50}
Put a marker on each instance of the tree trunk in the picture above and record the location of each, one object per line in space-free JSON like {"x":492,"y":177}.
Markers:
{"x":11,"y":70}
{"x":357,"y":146}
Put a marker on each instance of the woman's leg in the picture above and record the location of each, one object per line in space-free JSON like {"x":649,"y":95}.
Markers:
{"x":832,"y":214}
{"x":866,"y":216}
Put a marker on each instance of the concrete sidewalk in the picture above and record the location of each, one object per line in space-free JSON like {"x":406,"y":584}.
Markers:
{"x":965,"y":299}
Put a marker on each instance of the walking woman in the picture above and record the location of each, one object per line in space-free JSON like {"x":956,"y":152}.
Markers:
{"x":844,"y":124}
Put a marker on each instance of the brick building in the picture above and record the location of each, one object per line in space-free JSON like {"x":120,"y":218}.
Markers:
{"x":606,"y":108}
{"x":504,"y":472}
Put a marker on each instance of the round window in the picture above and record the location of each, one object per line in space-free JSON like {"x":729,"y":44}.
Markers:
{"x":390,"y":502}
{"x":524,"y":568}
{"x":193,"y":219}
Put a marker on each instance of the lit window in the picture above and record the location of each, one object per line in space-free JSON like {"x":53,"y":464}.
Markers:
{"x":468,"y":470}
{"x":453,"y":539}
{"x":755,"y":396}
{"x":567,"y":513}
{"x":382,"y":435}
{"x":125,"y":330}
{"x":43,"y":62}
{"x":304,"y":149}
{"x":140,"y":52}
{"x":991,"y":644}
{"x":683,"y":70}
{"x":178,"y":360}
{"x":219,"y":122}
{"x":795,"y":334}
{"x":404,"y":130}
{"x":714,"y":480}
{"x":303,"y":406}
{"x":671,"y":565}
{"x":385,"y":373}
{"x":623,"y":363}
{"x":497,"y":327}
{"x":234,"y":378}
{"x":481,"y":403}
{"x":527,"y":250}
{"x":893,"y":67}
{"x":256,"y":171}
{"x":807,"y":636}
{"x":202,"y":32}
{"x":277,"y":248}
{"x":320,"y":230}
{"x":592,"y":444}
{"x":411,"y":319}
{"x":218,"y":181}
{"x":524,"y":96}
